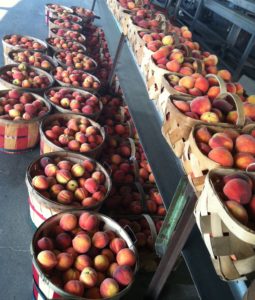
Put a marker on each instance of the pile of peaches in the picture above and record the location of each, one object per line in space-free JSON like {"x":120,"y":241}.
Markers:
{"x":24,"y":42}
{"x":65,"y":24}
{"x":69,"y":35}
{"x":16,"y":105}
{"x":76,"y":184}
{"x":228,"y":147}
{"x":65,"y":44}
{"x":85,"y":260}
{"x":77,"y":135}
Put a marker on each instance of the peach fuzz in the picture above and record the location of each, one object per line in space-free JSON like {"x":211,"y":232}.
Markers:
{"x":126,"y":257}
{"x":200,"y":105}
{"x":117,"y":244}
{"x":109,"y":288}
{"x":82,"y":261}
{"x":88,"y":277}
{"x":221,"y":156}
{"x":65,"y":261}
{"x":238,"y":211}
{"x":81,"y":243}
{"x":88,"y":222}
{"x":123,"y":275}
{"x":238,"y":190}
{"x":221,"y":140}
{"x":243,"y":160}
{"x":74,"y":287}
{"x":101,"y":263}
{"x":100,"y":239}
{"x":47,"y":259}
{"x":245,"y":143}
{"x":68,"y":222}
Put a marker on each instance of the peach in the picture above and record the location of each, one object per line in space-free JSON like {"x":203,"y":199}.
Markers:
{"x":77,"y":170}
{"x":202,"y":84}
{"x":238,"y":211}
{"x":203,"y":135}
{"x":40,"y":182}
{"x":204,"y":148}
{"x":68,"y":222}
{"x":109,"y":254}
{"x":195,"y":92}
{"x":186,"y":71}
{"x":88,"y":277}
{"x":101,"y":263}
{"x":72,"y":185}
{"x":123,"y":275}
{"x":243,"y":160}
{"x":93,"y":293}
{"x":81,"y":243}
{"x":232,"y":117}
{"x":221,"y":140}
{"x":173,"y":66}
{"x":213,"y":92}
{"x":117,"y":244}
{"x":225,"y":75}
{"x":91,"y":185}
{"x":50,"y":170}
{"x":74,"y":287}
{"x":109,"y":288}
{"x":65,"y":197}
{"x":192,"y":115}
{"x":243,"y":176}
{"x":251,"y":99}
{"x":200,"y":105}
{"x":238,"y":190}
{"x":88,"y":222}
{"x":221,"y":156}
{"x":63,"y":176}
{"x":100,"y":239}
{"x":233,"y":134}
{"x":180,"y":89}
{"x":245,"y":143}
{"x":249,"y":110}
{"x":187,"y":82}
{"x":177,"y":55}
{"x":47,"y":259}
{"x":210,"y":117}
{"x":65,"y":165}
{"x":71,"y":274}
{"x":80,"y":194}
{"x":162,"y":52}
{"x":89,"y":202}
{"x":63,"y":240}
{"x":211,"y":60}
{"x":112,"y":268}
{"x":231,"y":88}
{"x":223,"y":105}
{"x":82,"y":261}
{"x":45,"y":243}
{"x":65,"y":261}
{"x":168,"y":40}
{"x":126,"y":257}
{"x":71,"y":251}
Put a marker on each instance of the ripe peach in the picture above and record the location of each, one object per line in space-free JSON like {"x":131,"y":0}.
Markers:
{"x":100,"y":239}
{"x":63,"y":240}
{"x":89,"y":202}
{"x":203,"y":135}
{"x":238,"y":211}
{"x":93,"y":293}
{"x":91,"y":185}
{"x":173,"y":66}
{"x":126,"y":257}
{"x":71,"y":274}
{"x":238,"y":190}
{"x":123,"y":275}
{"x":101,"y":263}
{"x":65,"y":261}
{"x":195,"y":92}
{"x":109,"y":288}
{"x":98,"y":176}
{"x":211,"y":60}
{"x":112,"y":268}
{"x":65,"y":165}
{"x":40,"y":182}
{"x":82,"y":261}
{"x":74,"y":287}
{"x":72,"y":185}
{"x":221,"y":140}
{"x":187,"y":82}
{"x":68,"y":222}
{"x":213,"y":92}
{"x":63,"y":176}
{"x":88,"y":277}
{"x":65,"y":197}
{"x":162,"y":52}
{"x":225,"y":75}
{"x":221,"y":156}
{"x":77,"y":170}
{"x":117,"y":244}
{"x":202,"y":84}
{"x":204,"y":148}
{"x":251,"y":99}
{"x":50,"y":170}
{"x":243,"y":160}
{"x":245,"y":143}
{"x":80,"y":194}
{"x":209,"y":117}
{"x":45,"y":243}
{"x":71,"y":251}
{"x":200,"y":105}
{"x":177,"y":55}
{"x":109,"y":254}
{"x":88,"y":222}
{"x":47,"y":259}
{"x":81,"y":243}
{"x":232,"y":117}
{"x":249,"y":110}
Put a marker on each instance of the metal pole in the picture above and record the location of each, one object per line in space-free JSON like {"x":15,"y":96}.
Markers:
{"x":116,"y":58}
{"x":93,"y":5}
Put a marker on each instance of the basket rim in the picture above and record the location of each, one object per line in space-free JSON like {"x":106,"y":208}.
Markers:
{"x":28,"y":36}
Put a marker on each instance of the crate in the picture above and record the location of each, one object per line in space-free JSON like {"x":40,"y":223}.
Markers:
{"x":230,"y":243}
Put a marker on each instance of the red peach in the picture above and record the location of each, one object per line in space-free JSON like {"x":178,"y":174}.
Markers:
{"x":45,"y":243}
{"x":65,"y":261}
{"x":88,"y":222}
{"x":81,"y":243}
{"x":126,"y":257}
{"x":74,"y":287}
{"x":117,"y":244}
{"x":123,"y":275}
{"x":101,"y":263}
{"x":63,"y":240}
{"x":47,"y":259}
{"x":68,"y":222}
{"x":82,"y":261}
{"x":109,"y":288}
{"x":100,"y":239}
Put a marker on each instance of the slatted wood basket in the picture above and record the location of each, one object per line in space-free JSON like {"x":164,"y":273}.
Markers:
{"x":60,"y":109}
{"x":230,"y":243}
{"x":41,"y":207}
{"x":177,"y":126}
{"x":21,"y":135}
{"x":47,"y":146}
{"x":195,"y":163}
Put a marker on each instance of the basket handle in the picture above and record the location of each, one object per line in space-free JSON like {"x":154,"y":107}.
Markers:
{"x":185,"y":48}
{"x":239,"y":107}
{"x":222,"y":84}
{"x":152,"y":226}
{"x":131,"y":233}
{"x":160,"y":18}
{"x":133,"y":149}
{"x":199,"y":68}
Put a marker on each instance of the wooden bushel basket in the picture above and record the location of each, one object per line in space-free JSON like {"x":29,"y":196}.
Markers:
{"x":195,"y":163}
{"x":177,"y":126}
{"x":21,"y":135}
{"x":42,"y":208}
{"x":230,"y":243}
{"x":47,"y":146}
